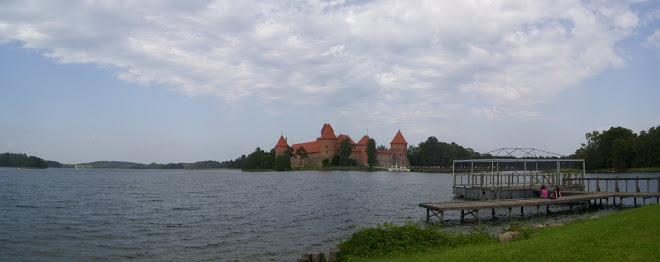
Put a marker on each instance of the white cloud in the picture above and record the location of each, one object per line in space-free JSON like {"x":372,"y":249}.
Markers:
{"x":402,"y":59}
{"x":653,"y":41}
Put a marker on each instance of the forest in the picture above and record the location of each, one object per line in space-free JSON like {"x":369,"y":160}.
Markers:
{"x":21,"y":160}
{"x":620,"y":148}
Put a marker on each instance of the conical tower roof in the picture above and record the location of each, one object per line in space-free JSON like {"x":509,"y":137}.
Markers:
{"x":364,"y":140}
{"x":327,"y":132}
{"x":282,"y":142}
{"x":398,"y":139}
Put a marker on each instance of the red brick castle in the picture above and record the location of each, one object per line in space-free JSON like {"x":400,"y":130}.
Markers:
{"x":327,"y":145}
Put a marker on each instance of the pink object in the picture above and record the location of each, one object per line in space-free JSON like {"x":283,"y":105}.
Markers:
{"x":544,"y":193}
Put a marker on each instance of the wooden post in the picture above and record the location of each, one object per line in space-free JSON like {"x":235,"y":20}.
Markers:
{"x":521,"y":211}
{"x":616,"y":184}
{"x":316,"y":257}
{"x":428,"y":215}
{"x":492,"y":181}
{"x":493,"y":211}
{"x":478,"y":221}
{"x":332,"y":256}
{"x":537,"y":210}
{"x":607,"y":185}
{"x":597,"y":184}
{"x":637,"y":184}
{"x":462,"y":215}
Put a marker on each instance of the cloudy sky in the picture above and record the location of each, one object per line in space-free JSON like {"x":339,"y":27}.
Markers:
{"x":184,"y":81}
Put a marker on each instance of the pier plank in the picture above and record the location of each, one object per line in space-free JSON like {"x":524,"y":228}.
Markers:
{"x":571,"y":197}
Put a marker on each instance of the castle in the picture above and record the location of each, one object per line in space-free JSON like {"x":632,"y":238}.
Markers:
{"x":328,"y":144}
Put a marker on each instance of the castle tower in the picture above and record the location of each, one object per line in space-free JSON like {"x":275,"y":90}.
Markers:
{"x":399,"y":150}
{"x":362,"y":148}
{"x":281,"y":146}
{"x":327,"y":141}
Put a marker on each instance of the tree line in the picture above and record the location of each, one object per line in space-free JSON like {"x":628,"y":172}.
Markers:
{"x":620,"y":148}
{"x":439,"y":154}
{"x":21,"y":160}
{"x":209,"y":164}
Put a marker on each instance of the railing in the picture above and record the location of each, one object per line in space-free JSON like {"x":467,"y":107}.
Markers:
{"x":518,"y":180}
{"x":617,"y":181}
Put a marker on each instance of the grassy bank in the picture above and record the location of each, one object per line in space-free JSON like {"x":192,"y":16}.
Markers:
{"x":630,"y":235}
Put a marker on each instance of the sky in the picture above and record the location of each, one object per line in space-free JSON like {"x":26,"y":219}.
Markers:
{"x":185,"y":81}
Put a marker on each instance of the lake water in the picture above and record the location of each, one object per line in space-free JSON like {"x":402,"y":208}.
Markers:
{"x":220,"y":215}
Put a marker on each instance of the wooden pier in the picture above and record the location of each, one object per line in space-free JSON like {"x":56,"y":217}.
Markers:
{"x":516,"y":182}
{"x":571,"y":198}
{"x":473,"y":207}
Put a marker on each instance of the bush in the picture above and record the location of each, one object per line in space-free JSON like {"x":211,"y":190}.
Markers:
{"x":412,"y":237}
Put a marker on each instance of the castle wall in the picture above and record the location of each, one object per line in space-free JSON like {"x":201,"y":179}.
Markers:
{"x":317,"y":160}
{"x":385,"y":161}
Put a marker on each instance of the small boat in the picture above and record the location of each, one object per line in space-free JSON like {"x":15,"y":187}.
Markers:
{"x":397,"y":168}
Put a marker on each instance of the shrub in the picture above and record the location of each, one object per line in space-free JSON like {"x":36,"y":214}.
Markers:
{"x":387,"y":238}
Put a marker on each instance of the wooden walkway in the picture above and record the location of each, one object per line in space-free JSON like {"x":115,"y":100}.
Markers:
{"x":572,"y":197}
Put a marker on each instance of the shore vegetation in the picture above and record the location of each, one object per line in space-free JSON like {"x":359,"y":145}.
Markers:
{"x":630,"y":235}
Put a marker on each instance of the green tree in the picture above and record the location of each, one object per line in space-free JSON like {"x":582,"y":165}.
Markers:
{"x":344,"y":157}
{"x":345,"y":149}
{"x":435,"y":153}
{"x":302,"y":153}
{"x":382,"y":147}
{"x":283,"y":162}
{"x":21,"y":160}
{"x":622,"y":153}
{"x":372,"y":157}
{"x":601,"y":150}
{"x":259,"y":159}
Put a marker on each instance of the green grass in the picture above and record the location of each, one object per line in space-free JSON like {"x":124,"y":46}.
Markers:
{"x":631,"y":235}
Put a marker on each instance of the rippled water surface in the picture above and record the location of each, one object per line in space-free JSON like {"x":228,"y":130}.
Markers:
{"x":102,"y":214}
{"x":181,"y":215}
